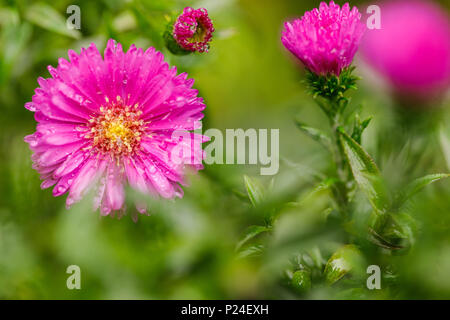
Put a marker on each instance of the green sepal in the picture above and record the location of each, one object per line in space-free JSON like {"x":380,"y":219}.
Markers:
{"x":171,"y":43}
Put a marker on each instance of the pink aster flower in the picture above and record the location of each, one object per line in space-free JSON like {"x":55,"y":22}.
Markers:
{"x":107,"y":123}
{"x":412,"y":48}
{"x":325,"y":39}
{"x":193,"y":30}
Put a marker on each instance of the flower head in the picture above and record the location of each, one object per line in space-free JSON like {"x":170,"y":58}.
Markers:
{"x":325,"y":39}
{"x":412,"y":48}
{"x":193,"y":30}
{"x":107,"y":123}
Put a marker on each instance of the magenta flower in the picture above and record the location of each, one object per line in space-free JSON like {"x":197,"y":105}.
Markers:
{"x":107,"y":123}
{"x":412,"y":48}
{"x":325,"y":39}
{"x":193,"y":30}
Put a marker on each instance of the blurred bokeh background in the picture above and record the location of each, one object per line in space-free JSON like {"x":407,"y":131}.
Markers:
{"x":190,"y":248}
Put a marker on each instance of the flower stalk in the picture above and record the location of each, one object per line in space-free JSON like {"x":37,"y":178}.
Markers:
{"x":329,"y":93}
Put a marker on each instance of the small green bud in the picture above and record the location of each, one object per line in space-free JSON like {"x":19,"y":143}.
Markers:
{"x":344,"y":260}
{"x":301,"y":281}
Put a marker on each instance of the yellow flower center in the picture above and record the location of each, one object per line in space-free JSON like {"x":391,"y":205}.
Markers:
{"x":117,"y":130}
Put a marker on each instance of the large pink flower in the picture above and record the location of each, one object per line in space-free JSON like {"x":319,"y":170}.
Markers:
{"x":412,"y":48}
{"x":325,"y":39}
{"x":107,"y":123}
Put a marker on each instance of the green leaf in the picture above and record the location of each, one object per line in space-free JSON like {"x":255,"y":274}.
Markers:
{"x":46,"y":17}
{"x":381,"y":241}
{"x":315,"y":134}
{"x":251,"y":233}
{"x":241,"y":195}
{"x":445,"y":145}
{"x":359,"y":127}
{"x":365,"y":172}
{"x":416,"y":186}
{"x":252,"y":251}
{"x":327,"y":184}
{"x":400,"y":229}
{"x":254,"y":190}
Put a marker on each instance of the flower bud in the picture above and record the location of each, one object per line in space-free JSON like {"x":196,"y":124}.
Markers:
{"x":301,"y":281}
{"x":191,"y":32}
{"x":348,"y":258}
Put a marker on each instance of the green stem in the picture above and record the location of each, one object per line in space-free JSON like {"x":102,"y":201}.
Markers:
{"x":341,"y":190}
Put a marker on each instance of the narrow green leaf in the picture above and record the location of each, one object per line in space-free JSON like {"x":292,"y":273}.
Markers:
{"x":314,"y":133}
{"x":359,"y":127}
{"x":417,"y":185}
{"x":241,"y":195}
{"x":445,"y":145}
{"x":380,"y":241}
{"x":251,"y":233}
{"x":44,"y":16}
{"x":254,"y":190}
{"x":365,"y":172}
{"x":251,"y":251}
{"x":322,"y":186}
{"x":365,"y":123}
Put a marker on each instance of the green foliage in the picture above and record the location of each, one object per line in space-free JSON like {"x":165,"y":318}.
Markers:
{"x":389,"y":225}
{"x":315,"y":134}
{"x":416,"y":186}
{"x":251,"y":233}
{"x":254,"y":190}
{"x":365,"y":172}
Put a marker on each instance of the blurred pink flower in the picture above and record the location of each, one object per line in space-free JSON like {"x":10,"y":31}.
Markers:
{"x":107,"y":123}
{"x":193,"y":30}
{"x":325,"y":39}
{"x":412,"y":48}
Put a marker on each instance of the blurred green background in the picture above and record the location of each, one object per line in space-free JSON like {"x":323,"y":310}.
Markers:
{"x":187,"y":249}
